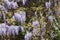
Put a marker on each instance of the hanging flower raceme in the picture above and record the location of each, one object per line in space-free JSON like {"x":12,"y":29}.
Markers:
{"x":4,"y":31}
{"x":35,"y":23}
{"x":7,"y":4}
{"x":17,"y":17}
{"x":50,"y":18}
{"x":10,"y":5}
{"x":43,"y":30}
{"x":28,"y":36}
{"x":20,"y":17}
{"x":23,"y":16}
{"x":48,"y":4}
{"x":36,"y":14}
{"x":3,"y":28}
{"x":23,"y":2}
{"x":4,"y":25}
{"x":14,"y":5}
{"x":10,"y":30}
{"x":13,"y":30}
{"x":16,"y":29}
{"x":2,"y":8}
{"x":52,"y":34}
{"x":22,"y":28}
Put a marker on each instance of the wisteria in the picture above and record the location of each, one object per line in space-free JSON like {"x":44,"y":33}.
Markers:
{"x":29,"y":20}
{"x":48,"y":4}
{"x":11,"y":4}
{"x":20,"y":17}
{"x":28,"y":36}
{"x":50,"y":18}
{"x":23,"y":2}
{"x":35,"y":23}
